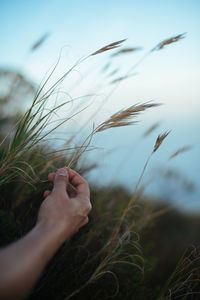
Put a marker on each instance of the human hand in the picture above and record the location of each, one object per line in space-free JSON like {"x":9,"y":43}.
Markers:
{"x":65,"y":208}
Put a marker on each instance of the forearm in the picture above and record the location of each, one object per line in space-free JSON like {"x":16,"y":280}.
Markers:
{"x":21,"y":263}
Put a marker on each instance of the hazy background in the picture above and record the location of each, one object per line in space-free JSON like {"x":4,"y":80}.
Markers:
{"x":170,"y":76}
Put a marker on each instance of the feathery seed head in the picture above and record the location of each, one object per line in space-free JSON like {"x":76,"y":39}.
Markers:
{"x":123,"y":117}
{"x":126,"y":50}
{"x":109,"y":47}
{"x":171,"y":40}
{"x":180,"y":150}
{"x":151,"y":129}
{"x":159,"y":140}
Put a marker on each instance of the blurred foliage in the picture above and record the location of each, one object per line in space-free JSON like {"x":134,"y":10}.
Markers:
{"x":16,"y":92}
{"x":162,"y":242}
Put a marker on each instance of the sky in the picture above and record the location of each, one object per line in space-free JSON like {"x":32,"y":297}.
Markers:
{"x":169,"y":76}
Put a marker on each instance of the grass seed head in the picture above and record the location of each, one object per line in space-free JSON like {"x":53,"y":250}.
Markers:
{"x":109,"y":47}
{"x":122,"y":78}
{"x":39,"y":42}
{"x":151,"y":129}
{"x":166,"y":42}
{"x":159,"y":140}
{"x":124,"y":117}
{"x":180,"y":150}
{"x":126,"y":50}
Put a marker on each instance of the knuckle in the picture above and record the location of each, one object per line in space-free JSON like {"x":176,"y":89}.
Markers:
{"x":88,"y":207}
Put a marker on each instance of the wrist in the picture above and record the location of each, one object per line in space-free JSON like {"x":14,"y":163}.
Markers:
{"x":53,"y":234}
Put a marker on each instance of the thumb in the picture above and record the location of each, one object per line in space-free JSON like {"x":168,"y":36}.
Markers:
{"x":61,"y":180}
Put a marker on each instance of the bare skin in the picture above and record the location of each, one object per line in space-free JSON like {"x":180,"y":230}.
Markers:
{"x":63,"y":212}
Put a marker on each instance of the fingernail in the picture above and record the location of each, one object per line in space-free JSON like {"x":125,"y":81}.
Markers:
{"x":62,"y":172}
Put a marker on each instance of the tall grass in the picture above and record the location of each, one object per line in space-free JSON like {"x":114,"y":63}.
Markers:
{"x":109,"y":247}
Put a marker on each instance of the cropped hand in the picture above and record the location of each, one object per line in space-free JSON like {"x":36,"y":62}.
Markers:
{"x":66,"y":207}
{"x":62,"y":213}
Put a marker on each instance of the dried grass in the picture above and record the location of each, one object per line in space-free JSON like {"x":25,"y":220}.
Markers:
{"x":159,"y":141}
{"x":126,"y":50}
{"x":124,"y":117}
{"x":151,"y":129}
{"x":29,"y":134}
{"x":169,"y":41}
{"x":123,"y":78}
{"x":109,"y":47}
{"x":180,"y":150}
{"x":39,"y":42}
{"x":119,"y":119}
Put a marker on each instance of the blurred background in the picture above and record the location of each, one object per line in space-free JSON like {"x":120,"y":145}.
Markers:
{"x":34,"y":34}
{"x":40,"y":42}
{"x":170,"y":76}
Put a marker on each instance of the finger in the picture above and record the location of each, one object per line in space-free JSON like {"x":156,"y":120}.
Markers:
{"x":80,"y":184}
{"x":70,"y":188}
{"x":46,"y":193}
{"x":51,"y":177}
{"x":61,"y":180}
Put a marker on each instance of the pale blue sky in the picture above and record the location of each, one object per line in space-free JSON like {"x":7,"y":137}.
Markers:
{"x":84,"y":26}
{"x":90,"y":24}
{"x":170,"y":76}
